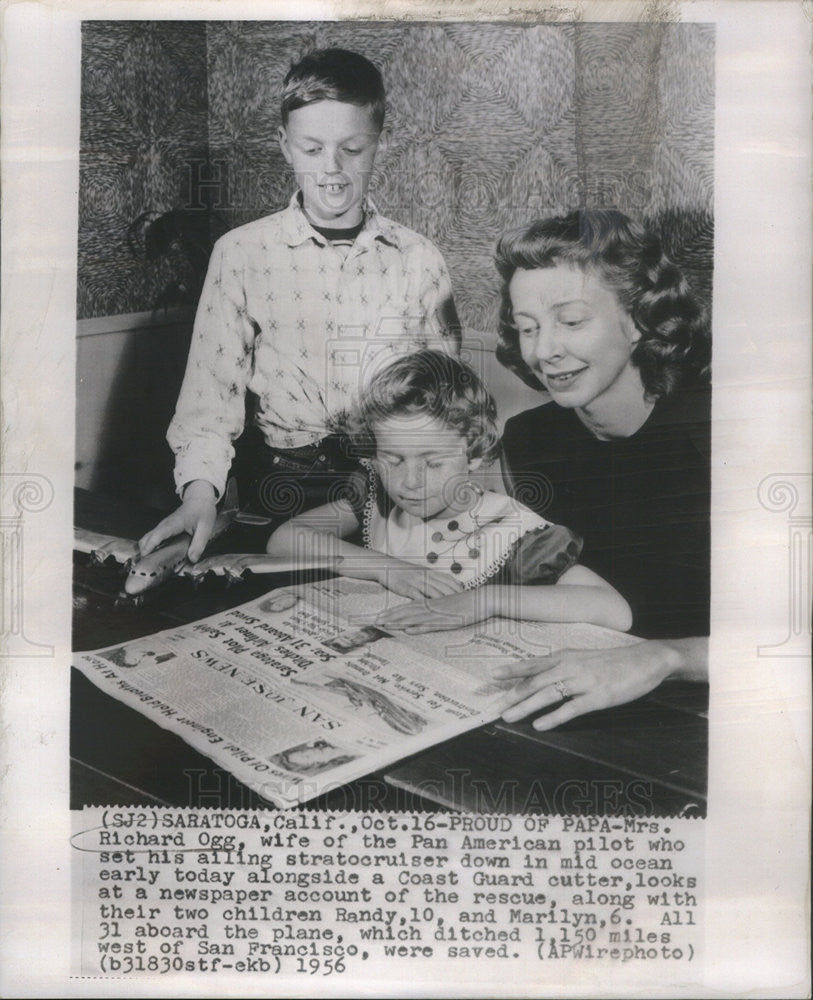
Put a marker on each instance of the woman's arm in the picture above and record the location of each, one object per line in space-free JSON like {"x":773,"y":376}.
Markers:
{"x":588,"y":680}
{"x":321,"y":532}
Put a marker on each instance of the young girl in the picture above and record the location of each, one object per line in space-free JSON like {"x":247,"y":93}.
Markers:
{"x":418,"y":525}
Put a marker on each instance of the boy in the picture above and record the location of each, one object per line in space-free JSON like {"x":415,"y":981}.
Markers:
{"x":300,"y":307}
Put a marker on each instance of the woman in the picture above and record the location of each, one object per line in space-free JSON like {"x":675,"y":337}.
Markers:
{"x":595,"y":313}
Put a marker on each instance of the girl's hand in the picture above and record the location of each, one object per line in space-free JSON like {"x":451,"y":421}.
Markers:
{"x":400,"y":577}
{"x":196,"y":516}
{"x":582,"y":680}
{"x":440,"y":614}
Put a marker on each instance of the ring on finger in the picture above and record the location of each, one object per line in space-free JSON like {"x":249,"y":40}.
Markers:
{"x":561,"y":687}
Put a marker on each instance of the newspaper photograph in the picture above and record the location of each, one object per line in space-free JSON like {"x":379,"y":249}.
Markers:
{"x":405,"y":499}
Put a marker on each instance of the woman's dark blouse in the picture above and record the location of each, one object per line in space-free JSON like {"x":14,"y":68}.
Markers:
{"x":640,"y":503}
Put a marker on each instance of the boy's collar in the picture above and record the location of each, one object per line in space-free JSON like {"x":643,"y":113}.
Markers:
{"x":297,"y":229}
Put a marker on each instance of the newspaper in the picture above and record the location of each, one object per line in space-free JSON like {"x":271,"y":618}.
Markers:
{"x":297,"y":691}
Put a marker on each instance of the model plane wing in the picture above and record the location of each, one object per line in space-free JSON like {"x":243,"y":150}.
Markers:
{"x":235,"y":566}
{"x":103,"y":547}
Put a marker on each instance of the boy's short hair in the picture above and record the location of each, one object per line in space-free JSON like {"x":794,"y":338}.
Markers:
{"x":334,"y":75}
{"x":433,"y":384}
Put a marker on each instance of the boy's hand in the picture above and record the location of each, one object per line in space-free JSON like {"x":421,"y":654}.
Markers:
{"x":401,"y":577}
{"x":196,"y":516}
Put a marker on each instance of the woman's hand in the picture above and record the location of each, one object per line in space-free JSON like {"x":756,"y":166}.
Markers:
{"x":584,"y":680}
{"x":439,"y":614}
{"x":196,"y":516}
{"x":398,"y":576}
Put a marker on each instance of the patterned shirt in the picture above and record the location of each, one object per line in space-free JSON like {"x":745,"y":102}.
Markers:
{"x":302,"y":324}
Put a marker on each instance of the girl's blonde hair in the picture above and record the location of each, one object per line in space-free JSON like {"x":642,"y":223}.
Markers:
{"x":436,"y":385}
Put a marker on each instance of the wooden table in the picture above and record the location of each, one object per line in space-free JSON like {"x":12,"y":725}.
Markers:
{"x":644,"y":758}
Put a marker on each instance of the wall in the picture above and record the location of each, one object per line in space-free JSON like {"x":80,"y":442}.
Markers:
{"x":143,"y":129}
{"x":128,"y":375}
{"x":143,"y":139}
{"x":492,"y":125}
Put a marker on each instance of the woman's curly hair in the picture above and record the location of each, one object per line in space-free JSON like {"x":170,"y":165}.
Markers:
{"x":674,"y":348}
{"x":433,"y":384}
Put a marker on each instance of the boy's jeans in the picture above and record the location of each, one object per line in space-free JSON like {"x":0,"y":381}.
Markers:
{"x":281,"y":482}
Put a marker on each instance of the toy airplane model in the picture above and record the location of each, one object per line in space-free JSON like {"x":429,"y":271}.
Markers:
{"x":145,"y":572}
{"x":234,"y":566}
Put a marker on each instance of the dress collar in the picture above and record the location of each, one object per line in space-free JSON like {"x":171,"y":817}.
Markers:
{"x":471,"y":545}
